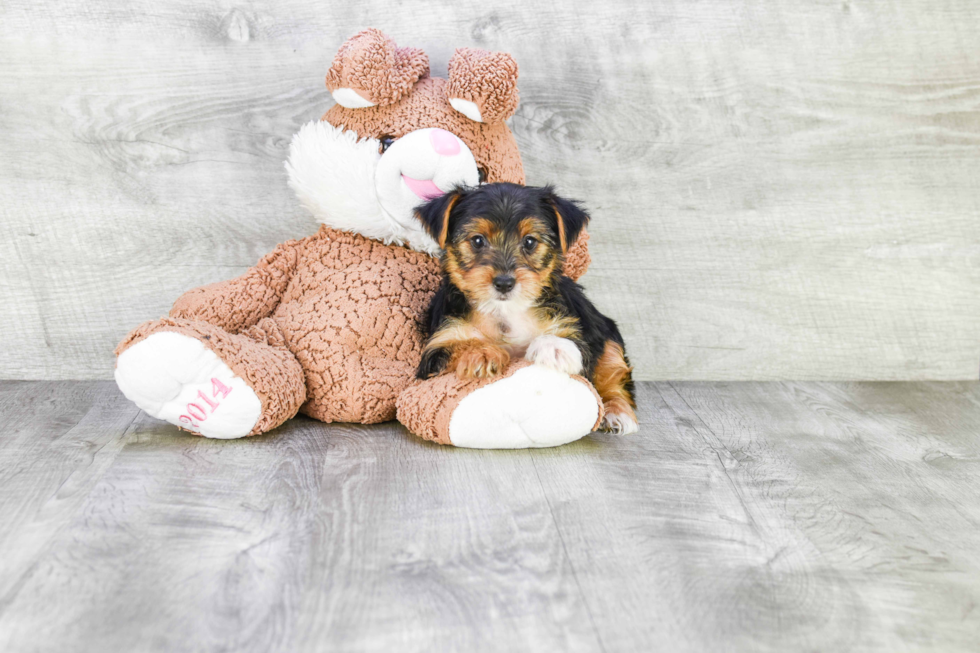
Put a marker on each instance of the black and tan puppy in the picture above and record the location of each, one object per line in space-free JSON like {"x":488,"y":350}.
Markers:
{"x":503,"y":294}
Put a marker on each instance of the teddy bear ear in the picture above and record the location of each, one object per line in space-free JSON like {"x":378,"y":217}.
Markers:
{"x":369,"y":70}
{"x":483,"y":85}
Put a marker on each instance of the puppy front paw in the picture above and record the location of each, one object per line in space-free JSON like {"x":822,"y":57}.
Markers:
{"x":560,"y":354}
{"x":481,"y":362}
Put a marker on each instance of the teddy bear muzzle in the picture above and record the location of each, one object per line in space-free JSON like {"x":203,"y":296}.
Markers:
{"x":419,"y":166}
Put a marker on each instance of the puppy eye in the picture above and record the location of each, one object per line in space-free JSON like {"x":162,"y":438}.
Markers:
{"x":479,"y":242}
{"x":529,"y":243}
{"x":483,"y":174}
{"x":386,"y":142}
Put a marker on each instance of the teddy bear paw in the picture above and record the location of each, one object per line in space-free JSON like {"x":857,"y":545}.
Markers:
{"x":178,"y":379}
{"x":534,"y":407}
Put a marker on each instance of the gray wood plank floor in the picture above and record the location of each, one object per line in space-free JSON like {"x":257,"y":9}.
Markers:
{"x":744,"y":516}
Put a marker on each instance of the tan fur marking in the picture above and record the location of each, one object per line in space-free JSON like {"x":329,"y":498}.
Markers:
{"x":610,"y":378}
{"x":530,"y":227}
{"x":482,"y":226}
{"x":475,"y":282}
{"x":561,"y":229}
{"x":532,"y":282}
{"x":551,"y":325}
{"x":453,"y":332}
{"x":444,"y":231}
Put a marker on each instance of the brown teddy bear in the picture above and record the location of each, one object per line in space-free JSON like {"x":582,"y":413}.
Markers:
{"x":328,"y":325}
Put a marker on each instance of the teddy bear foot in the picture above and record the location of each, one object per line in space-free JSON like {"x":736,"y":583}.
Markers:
{"x":535,"y":407}
{"x":176,"y":378}
{"x":528,"y":406}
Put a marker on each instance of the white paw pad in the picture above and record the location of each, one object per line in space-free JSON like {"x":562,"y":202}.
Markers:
{"x":176,"y":378}
{"x":619,"y":423}
{"x":559,"y":354}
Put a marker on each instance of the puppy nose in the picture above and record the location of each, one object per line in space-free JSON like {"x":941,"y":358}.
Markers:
{"x":443,"y":142}
{"x":504,"y":283}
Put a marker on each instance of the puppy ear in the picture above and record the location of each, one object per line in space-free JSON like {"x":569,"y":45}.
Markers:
{"x":570,"y":219}
{"x":483,"y":85}
{"x":435,"y":214}
{"x":370,"y":70}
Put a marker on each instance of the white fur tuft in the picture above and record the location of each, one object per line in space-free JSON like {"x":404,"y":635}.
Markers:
{"x":332,"y":172}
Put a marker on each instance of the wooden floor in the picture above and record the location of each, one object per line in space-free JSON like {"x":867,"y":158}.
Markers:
{"x":744,"y":516}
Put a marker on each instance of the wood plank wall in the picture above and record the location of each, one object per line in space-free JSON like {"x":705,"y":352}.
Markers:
{"x":783,"y":189}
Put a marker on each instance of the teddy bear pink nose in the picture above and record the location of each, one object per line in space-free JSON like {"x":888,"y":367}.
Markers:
{"x":443,"y":142}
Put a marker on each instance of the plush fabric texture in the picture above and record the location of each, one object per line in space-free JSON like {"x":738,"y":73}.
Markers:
{"x":426,"y":408}
{"x":258,"y":355}
{"x":180,"y":379}
{"x":493,"y":145}
{"x":239,"y":303}
{"x":371,"y":64}
{"x":577,"y":259}
{"x":329,"y":325}
{"x":348,"y":312}
{"x":487,"y":79}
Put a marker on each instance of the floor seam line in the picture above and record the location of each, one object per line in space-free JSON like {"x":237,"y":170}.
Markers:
{"x":714,"y":450}
{"x":564,"y":548}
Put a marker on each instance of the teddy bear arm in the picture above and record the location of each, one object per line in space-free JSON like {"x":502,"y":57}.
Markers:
{"x":239,"y":303}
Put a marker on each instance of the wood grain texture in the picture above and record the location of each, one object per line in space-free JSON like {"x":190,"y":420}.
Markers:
{"x":784,"y":191}
{"x":743,"y":517}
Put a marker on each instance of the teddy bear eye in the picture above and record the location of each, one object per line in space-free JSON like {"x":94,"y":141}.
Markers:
{"x":386,"y":142}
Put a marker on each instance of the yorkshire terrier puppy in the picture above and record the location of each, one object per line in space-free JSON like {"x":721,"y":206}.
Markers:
{"x":503,"y":294}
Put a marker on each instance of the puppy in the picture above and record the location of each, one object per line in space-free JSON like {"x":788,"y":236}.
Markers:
{"x":503,"y":294}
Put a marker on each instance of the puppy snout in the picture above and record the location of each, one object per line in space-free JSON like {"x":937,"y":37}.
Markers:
{"x":504,"y":282}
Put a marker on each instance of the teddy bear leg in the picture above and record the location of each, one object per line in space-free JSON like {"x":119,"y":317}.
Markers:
{"x":528,"y":406}
{"x":201,"y":378}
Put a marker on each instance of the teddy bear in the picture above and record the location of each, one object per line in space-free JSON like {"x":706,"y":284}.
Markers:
{"x":328,"y":325}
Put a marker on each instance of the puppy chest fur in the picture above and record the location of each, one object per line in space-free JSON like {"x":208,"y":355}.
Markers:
{"x":511,"y":323}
